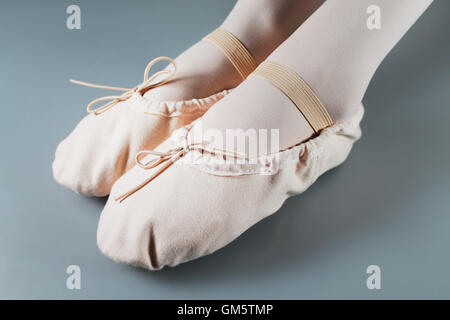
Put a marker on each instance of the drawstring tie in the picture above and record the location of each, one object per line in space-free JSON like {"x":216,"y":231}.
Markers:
{"x":128,"y":92}
{"x":166,"y":159}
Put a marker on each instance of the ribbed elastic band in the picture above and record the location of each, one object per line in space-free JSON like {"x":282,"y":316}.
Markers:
{"x":300,"y":93}
{"x":234,"y":50}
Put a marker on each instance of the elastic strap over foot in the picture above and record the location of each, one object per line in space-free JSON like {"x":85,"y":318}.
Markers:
{"x":298,"y":91}
{"x":234,"y":50}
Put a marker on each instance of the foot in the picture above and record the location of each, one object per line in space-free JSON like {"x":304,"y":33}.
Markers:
{"x":102,"y":148}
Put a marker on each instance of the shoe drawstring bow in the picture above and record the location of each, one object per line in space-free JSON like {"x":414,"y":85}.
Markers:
{"x":166,"y":159}
{"x":142,"y":88}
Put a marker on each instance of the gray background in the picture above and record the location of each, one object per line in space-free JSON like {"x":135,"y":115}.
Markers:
{"x":387,"y":205}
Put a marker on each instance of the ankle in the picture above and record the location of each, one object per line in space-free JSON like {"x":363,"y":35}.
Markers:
{"x":202,"y":70}
{"x":262,"y":25}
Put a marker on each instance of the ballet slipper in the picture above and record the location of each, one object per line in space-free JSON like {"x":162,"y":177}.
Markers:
{"x":190,"y":197}
{"x":101,"y":148}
